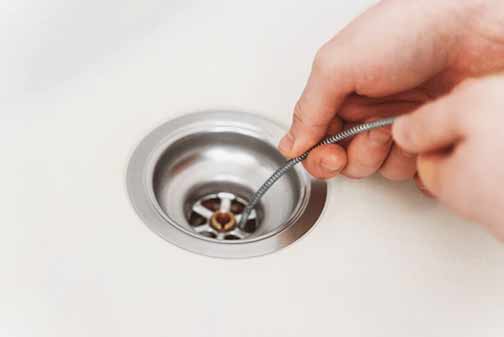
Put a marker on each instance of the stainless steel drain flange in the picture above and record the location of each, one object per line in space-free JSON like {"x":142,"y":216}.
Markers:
{"x":190,"y":179}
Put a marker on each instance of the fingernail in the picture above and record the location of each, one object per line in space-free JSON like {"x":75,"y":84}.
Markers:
{"x":286,"y":143}
{"x":330,"y":166}
{"x":380,"y":136}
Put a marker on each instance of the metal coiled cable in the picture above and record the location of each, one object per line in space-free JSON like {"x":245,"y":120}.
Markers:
{"x":294,"y":161}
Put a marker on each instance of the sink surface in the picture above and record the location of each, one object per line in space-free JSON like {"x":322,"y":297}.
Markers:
{"x":84,"y":82}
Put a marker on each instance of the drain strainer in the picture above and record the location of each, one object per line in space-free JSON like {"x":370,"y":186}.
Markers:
{"x":217,"y":216}
{"x":190,"y":180}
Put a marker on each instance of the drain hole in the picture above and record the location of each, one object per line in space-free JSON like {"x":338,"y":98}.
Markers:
{"x":237,"y":207}
{"x":212,"y":204}
{"x":209,"y":234}
{"x":250,"y":226}
{"x":231,"y":237}
{"x":196,"y":220}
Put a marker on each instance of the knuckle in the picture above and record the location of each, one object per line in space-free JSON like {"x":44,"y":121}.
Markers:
{"x":332,"y":63}
{"x":299,"y":110}
{"x":298,"y":118}
{"x":301,"y":116}
{"x":323,"y":61}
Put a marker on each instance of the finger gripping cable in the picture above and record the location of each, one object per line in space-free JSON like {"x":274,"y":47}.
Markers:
{"x":294,"y":161}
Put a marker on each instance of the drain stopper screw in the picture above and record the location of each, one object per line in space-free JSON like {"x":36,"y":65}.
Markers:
{"x":223,"y":221}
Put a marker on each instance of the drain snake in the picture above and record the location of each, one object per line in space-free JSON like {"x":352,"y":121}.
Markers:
{"x":294,"y":161}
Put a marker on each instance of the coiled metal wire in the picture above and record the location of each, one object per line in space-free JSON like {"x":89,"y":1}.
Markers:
{"x":294,"y":161}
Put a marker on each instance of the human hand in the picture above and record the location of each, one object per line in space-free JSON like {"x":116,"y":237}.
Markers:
{"x":389,"y":61}
{"x":460,"y":147}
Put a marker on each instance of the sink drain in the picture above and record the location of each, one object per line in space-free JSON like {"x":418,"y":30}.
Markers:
{"x":190,"y":179}
{"x":217,"y":216}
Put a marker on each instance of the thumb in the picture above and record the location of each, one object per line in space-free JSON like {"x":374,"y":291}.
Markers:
{"x":438,"y":172}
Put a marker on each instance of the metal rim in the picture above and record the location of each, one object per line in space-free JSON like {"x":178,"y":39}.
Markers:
{"x":140,"y":174}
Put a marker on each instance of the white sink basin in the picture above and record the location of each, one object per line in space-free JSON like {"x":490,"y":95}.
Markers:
{"x":84,"y":81}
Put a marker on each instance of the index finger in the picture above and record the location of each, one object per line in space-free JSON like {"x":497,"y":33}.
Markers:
{"x":323,"y":95}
